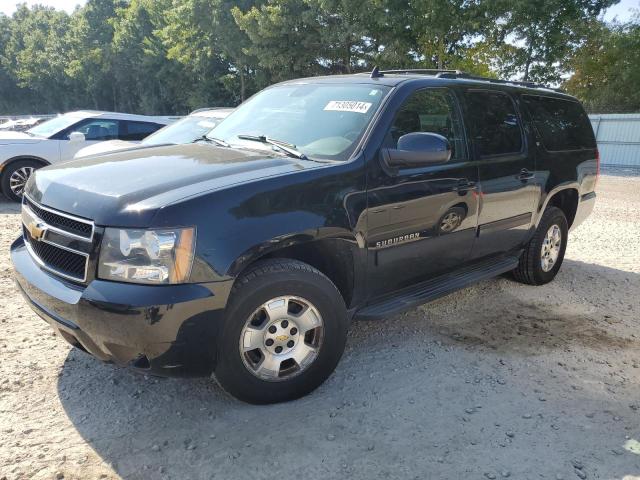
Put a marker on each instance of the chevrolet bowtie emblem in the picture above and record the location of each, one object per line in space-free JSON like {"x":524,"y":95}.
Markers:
{"x":34,"y":226}
{"x":37,"y":230}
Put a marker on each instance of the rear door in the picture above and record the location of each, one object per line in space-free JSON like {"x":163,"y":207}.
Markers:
{"x":506,"y":171}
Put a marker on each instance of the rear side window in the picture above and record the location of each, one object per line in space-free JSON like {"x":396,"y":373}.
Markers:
{"x":562,"y":124}
{"x":139,"y":130}
{"x":494,"y":122}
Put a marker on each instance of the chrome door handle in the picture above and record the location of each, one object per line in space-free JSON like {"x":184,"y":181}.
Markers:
{"x":464,"y":185}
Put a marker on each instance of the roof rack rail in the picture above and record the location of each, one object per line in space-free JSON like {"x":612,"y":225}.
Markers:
{"x":444,"y":73}
{"x":422,"y":71}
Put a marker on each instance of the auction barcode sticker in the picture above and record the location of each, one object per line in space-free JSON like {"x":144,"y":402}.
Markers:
{"x":348,"y":106}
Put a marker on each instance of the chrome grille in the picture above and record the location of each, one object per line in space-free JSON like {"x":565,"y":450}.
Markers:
{"x":38,"y":222}
{"x":63,"y":222}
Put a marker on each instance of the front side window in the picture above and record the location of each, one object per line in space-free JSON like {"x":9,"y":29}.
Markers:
{"x":494,"y":123}
{"x":99,"y":129}
{"x":323,"y":121}
{"x":562,"y":124}
{"x":432,"y":111}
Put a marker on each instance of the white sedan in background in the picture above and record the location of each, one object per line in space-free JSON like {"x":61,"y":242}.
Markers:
{"x":186,"y":130}
{"x":60,"y":138}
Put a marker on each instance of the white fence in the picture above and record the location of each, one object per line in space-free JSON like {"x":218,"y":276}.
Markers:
{"x":618,"y":137}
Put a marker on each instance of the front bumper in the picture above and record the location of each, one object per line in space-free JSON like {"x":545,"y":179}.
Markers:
{"x":164,"y":330}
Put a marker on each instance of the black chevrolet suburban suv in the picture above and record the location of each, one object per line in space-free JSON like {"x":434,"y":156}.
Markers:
{"x":246,"y":254}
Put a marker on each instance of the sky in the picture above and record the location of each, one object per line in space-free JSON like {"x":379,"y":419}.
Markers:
{"x":622,"y":10}
{"x":9,"y":6}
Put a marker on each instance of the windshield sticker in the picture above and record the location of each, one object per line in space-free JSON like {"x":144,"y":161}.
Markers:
{"x":348,"y":106}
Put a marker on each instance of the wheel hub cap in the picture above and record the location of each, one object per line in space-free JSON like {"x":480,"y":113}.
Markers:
{"x":281,"y":338}
{"x":18,"y":180}
{"x":551,"y":248}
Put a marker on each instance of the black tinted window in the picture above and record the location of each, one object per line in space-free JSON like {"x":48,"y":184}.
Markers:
{"x":493,"y":120}
{"x":562,"y":124}
{"x":139,"y":130}
{"x":432,"y":111}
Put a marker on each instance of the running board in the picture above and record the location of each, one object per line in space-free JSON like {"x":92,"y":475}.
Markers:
{"x":435,"y":288}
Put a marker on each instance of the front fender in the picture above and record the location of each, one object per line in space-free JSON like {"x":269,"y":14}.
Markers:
{"x":242,"y":223}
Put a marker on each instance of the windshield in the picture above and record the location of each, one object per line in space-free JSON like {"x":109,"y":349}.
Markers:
{"x":321,"y":120}
{"x":53,"y":126}
{"x":185,"y":130}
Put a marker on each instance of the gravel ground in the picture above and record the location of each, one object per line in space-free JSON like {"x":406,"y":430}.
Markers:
{"x":499,"y":380}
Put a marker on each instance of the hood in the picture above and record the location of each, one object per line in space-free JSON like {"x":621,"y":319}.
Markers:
{"x":17,"y":137}
{"x":127,"y":188}
{"x":104,"y":147}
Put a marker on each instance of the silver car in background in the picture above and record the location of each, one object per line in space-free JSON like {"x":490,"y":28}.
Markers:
{"x":186,"y":130}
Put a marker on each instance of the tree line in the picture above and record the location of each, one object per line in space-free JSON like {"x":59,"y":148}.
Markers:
{"x":171,"y":56}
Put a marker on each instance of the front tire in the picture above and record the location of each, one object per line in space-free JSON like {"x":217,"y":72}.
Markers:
{"x":15,"y":176}
{"x":285,"y":330}
{"x":451,"y":219}
{"x":543,"y":255}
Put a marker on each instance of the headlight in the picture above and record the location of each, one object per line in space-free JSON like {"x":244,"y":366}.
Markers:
{"x":147,"y":256}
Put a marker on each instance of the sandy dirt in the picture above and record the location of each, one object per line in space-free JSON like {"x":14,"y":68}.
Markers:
{"x":499,"y":380}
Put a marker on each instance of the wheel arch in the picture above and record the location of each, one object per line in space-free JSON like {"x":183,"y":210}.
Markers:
{"x":334,"y":257}
{"x":19,"y":158}
{"x":566,"y":199}
{"x":7,"y":170}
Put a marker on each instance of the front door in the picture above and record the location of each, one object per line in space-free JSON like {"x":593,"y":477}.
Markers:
{"x":421,"y":222}
{"x":508,"y":189}
{"x":94,"y":130}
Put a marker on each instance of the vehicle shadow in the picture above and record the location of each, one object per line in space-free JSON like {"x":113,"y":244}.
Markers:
{"x":393,"y":400}
{"x":530,"y":320}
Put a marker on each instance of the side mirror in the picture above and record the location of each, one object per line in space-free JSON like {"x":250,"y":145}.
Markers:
{"x":76,"y":137}
{"x":417,"y":149}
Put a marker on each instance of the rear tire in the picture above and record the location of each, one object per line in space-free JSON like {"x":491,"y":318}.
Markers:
{"x":543,"y":255}
{"x":275,"y":299}
{"x":15,"y":176}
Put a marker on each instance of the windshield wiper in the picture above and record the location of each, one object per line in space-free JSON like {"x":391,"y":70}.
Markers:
{"x":288,"y":148}
{"x":217,"y":141}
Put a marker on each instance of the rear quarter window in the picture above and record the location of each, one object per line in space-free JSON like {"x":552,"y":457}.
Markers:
{"x":561,"y":124}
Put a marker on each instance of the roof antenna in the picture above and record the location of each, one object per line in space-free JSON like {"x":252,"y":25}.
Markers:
{"x":375,"y":73}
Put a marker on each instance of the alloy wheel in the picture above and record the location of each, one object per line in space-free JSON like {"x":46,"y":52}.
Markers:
{"x":18,"y":180}
{"x":449,"y":222}
{"x":551,"y":246}
{"x":281,"y":338}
